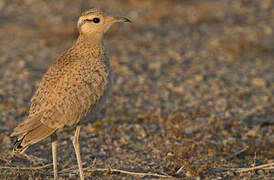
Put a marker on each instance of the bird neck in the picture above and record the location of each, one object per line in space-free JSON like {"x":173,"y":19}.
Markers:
{"x":90,"y":45}
{"x":91,"y":39}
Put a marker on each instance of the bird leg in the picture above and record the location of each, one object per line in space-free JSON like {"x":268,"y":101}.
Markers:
{"x":53,"y":148}
{"x":77,"y":152}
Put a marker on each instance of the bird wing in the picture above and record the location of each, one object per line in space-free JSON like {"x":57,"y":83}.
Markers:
{"x":66,"y":99}
{"x":56,"y":71}
{"x":70,"y":87}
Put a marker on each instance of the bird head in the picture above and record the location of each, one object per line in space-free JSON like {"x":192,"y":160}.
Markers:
{"x":96,"y":22}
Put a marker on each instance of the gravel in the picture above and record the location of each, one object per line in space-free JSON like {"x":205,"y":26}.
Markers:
{"x":193,"y":86}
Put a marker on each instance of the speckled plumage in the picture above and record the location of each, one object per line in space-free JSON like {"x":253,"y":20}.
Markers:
{"x":71,"y":87}
{"x":75,"y":84}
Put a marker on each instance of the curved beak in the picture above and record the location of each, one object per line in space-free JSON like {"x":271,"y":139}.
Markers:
{"x":122,"y":19}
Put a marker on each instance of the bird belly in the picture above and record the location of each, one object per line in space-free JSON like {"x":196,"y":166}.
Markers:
{"x":100,"y":101}
{"x":89,"y":100}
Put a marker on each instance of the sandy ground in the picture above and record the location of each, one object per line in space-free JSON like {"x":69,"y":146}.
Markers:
{"x":193,"y":93}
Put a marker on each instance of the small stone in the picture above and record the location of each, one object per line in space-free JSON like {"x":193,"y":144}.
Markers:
{"x":199,"y":78}
{"x":258,"y":82}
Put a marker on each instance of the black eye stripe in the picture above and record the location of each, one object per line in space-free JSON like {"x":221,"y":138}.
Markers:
{"x":95,"y":20}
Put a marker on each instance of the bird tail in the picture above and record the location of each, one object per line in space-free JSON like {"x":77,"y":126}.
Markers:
{"x":30,"y":132}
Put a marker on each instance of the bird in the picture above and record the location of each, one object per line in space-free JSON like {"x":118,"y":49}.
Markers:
{"x":74,"y":86}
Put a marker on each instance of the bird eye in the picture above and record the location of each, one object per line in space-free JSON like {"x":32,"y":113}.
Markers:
{"x":96,"y":20}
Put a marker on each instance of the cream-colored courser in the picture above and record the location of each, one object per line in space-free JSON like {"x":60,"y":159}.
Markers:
{"x":77,"y":83}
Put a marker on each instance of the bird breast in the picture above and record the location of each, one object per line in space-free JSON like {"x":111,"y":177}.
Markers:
{"x":90,"y":92}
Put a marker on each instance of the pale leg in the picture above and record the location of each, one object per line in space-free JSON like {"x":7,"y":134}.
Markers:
{"x":53,"y":148}
{"x":77,"y":152}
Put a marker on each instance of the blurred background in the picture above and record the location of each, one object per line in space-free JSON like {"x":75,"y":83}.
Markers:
{"x":193,"y":86}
